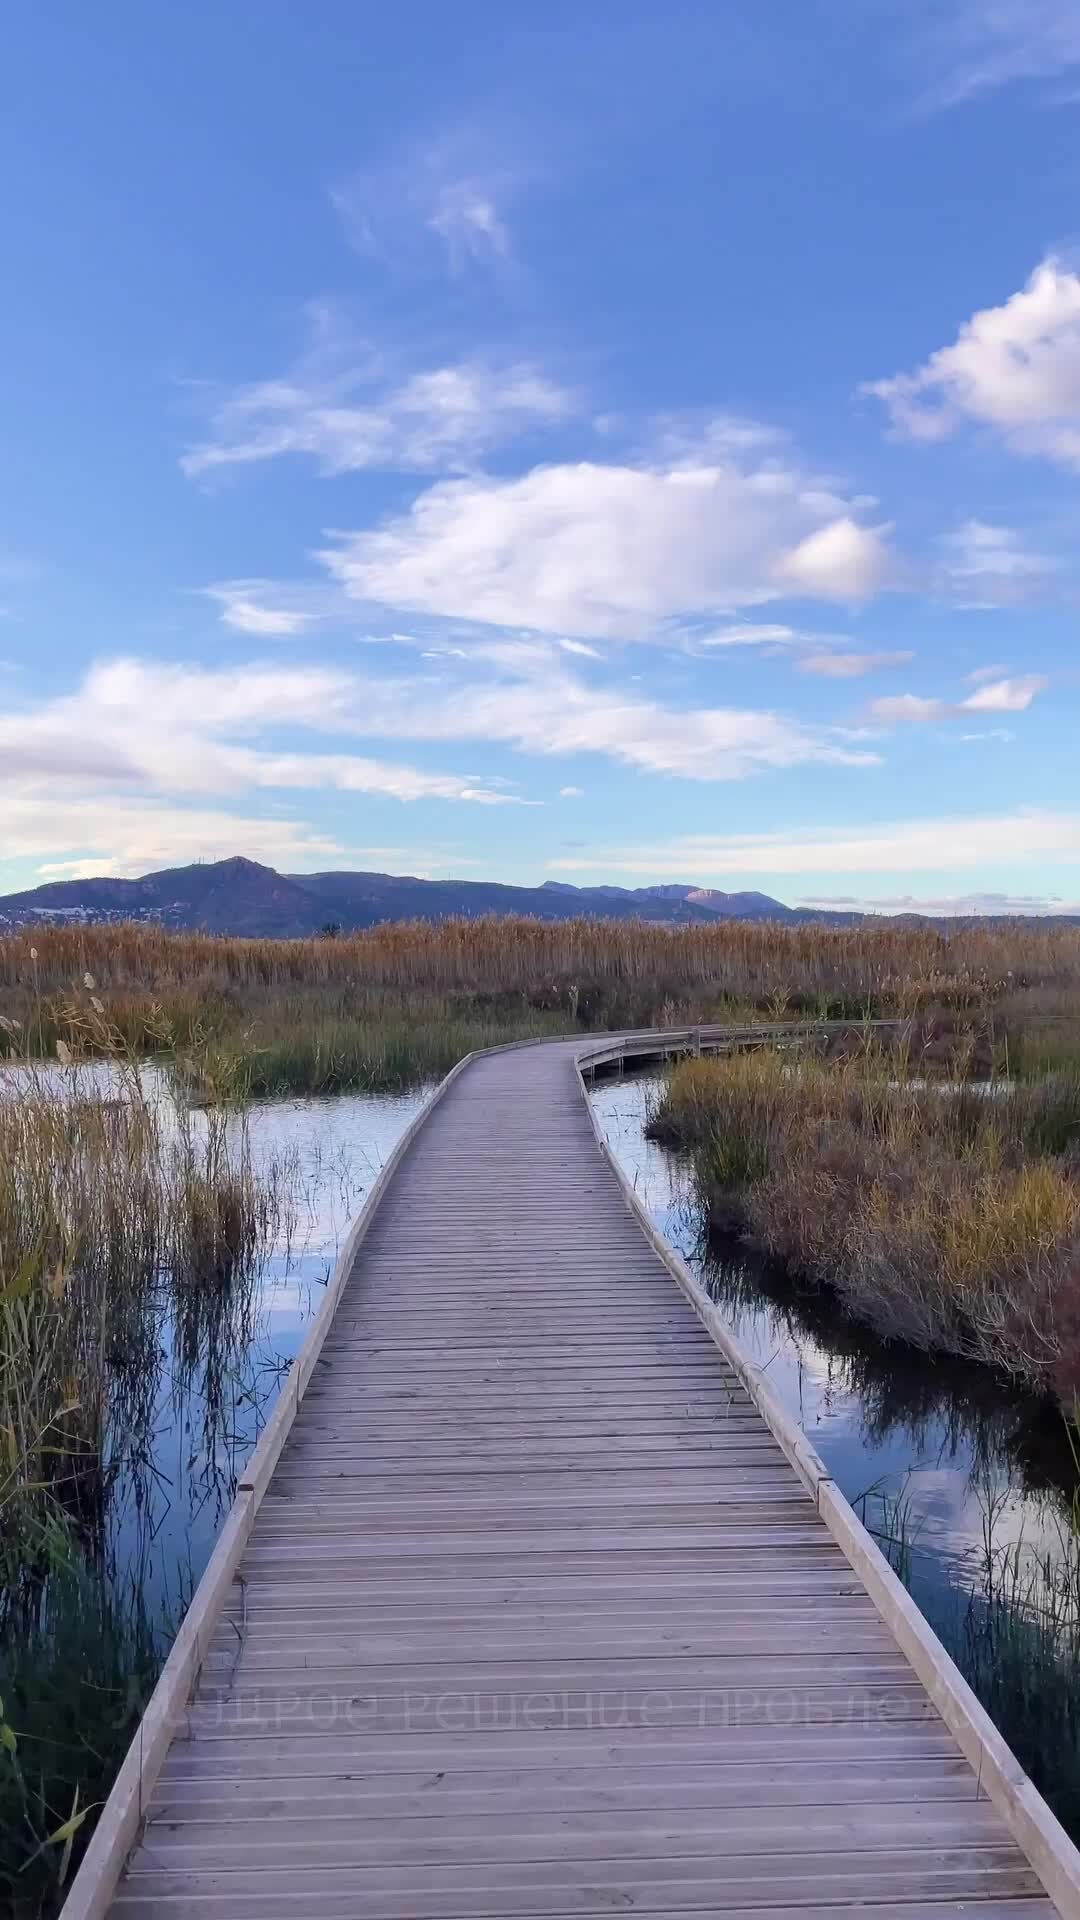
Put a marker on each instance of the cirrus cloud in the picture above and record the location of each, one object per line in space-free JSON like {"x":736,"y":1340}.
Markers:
{"x":949,"y":843}
{"x":347,"y":406}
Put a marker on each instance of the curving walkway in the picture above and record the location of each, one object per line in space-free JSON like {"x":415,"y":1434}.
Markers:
{"x":536,"y":1618}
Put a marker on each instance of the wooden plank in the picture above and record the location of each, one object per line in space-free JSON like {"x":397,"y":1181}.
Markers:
{"x":663,"y":1884}
{"x":535,"y":1616}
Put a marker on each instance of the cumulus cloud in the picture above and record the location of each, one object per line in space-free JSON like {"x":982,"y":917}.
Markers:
{"x":908,"y":706}
{"x":841,"y":561}
{"x":345,"y":407}
{"x":1005,"y":696}
{"x":611,"y":552}
{"x":1013,"y":695}
{"x":1014,"y":369}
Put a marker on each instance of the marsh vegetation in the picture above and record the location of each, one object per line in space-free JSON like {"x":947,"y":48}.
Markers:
{"x":859,"y":1227}
{"x":945,"y":1214}
{"x":132,"y":1235}
{"x":396,"y":1005}
{"x":150,"y":1181}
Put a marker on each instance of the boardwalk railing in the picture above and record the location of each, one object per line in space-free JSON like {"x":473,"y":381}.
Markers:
{"x":1025,"y":1814}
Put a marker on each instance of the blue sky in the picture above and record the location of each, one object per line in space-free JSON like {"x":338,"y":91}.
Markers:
{"x":584,"y":443}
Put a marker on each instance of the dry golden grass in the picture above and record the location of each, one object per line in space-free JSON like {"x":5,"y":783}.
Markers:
{"x":760,"y":962}
{"x":947,"y":1217}
{"x":404,"y":1000}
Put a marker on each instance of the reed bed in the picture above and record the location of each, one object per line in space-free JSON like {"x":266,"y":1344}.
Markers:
{"x":399,"y":1003}
{"x":1010,"y":1618}
{"x":112,"y":1210}
{"x":132,"y":1232}
{"x":947,"y":1216}
{"x":76,"y":1671}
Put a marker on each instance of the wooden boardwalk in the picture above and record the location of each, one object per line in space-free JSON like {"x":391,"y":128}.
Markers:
{"x":535,"y":1618}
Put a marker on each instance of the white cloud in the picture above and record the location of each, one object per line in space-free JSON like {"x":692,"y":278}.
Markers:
{"x":467,"y":219}
{"x":851,"y":666}
{"x":243,"y":607}
{"x":456,"y":189}
{"x":123,"y":766}
{"x":535,"y":703}
{"x":908,"y":706}
{"x":611,"y":552}
{"x":186,"y":731}
{"x":1005,"y":696}
{"x":571,"y":793}
{"x":978,"y":675}
{"x":579,"y":647}
{"x":841,"y":561}
{"x":129,"y":836}
{"x":1014,"y":369}
{"x":986,"y":44}
{"x":992,"y":566}
{"x":991,"y":696}
{"x":949,"y":843}
{"x":751,"y":634}
{"x":346,"y":408}
{"x":952,"y":905}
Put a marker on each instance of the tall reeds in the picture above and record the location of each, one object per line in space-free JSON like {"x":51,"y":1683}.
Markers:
{"x":110,"y":1205}
{"x":131,"y":1236}
{"x":389,"y":1006}
{"x":943,"y":1215}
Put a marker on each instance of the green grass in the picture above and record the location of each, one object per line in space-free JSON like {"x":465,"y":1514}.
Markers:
{"x":296,"y":1047}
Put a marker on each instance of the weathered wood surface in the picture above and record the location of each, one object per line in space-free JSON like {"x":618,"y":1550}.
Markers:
{"x":535,"y":1618}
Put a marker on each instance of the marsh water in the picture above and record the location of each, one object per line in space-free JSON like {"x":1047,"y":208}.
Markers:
{"x":969,"y":1460}
{"x":165,"y":1521}
{"x":193,"y":1392}
{"x":941,"y":1457}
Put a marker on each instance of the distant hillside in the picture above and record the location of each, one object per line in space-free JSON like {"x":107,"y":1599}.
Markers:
{"x":239,"y":896}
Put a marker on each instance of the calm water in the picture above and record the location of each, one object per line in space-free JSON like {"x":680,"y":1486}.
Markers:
{"x":953,"y":1441}
{"x":966,"y":1454}
{"x":202,"y":1389}
{"x":165,"y":1525}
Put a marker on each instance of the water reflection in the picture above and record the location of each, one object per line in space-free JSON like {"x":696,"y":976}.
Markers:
{"x":192,"y":1365}
{"x":220,"y":1381}
{"x":959,"y":1444}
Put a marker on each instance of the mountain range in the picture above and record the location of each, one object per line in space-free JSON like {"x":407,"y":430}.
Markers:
{"x":240,"y":896}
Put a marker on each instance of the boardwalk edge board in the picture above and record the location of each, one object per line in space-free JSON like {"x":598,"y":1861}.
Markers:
{"x":166,"y":1714}
{"x":1047,"y":1847}
{"x":1036,"y":1830}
